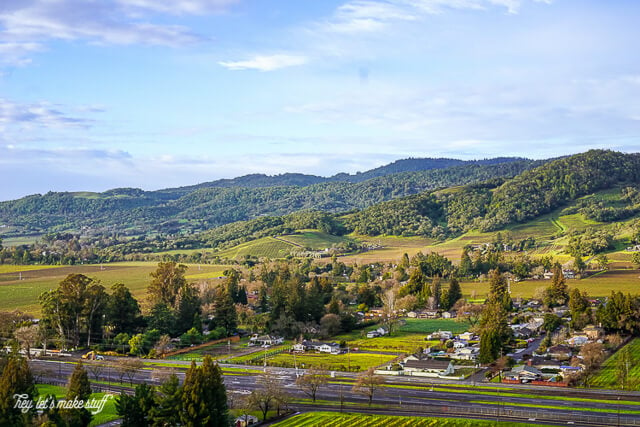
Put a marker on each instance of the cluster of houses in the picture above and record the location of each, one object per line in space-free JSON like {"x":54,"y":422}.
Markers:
{"x":558,"y":361}
{"x":264,"y":340}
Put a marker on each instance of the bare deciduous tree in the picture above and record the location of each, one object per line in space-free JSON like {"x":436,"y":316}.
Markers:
{"x":367,"y":383}
{"x":311,"y":381}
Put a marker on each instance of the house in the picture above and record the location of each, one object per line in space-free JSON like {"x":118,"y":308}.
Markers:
{"x":578,"y":340}
{"x":265,"y":340}
{"x":594,"y":333}
{"x":460,"y":344}
{"x":377,"y":333}
{"x":430,"y":366}
{"x":303,"y":346}
{"x":466,"y":353}
{"x":449,"y":314}
{"x":466,"y":336}
{"x":542,"y":363}
{"x":525,"y":373}
{"x":412,"y":314}
{"x":569,"y":274}
{"x":560,"y":311}
{"x":429,"y":314}
{"x":440,"y":335}
{"x":522,"y":333}
{"x":559,"y":351}
{"x":245,"y":420}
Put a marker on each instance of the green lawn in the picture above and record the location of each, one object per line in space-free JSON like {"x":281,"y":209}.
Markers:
{"x":107,"y":414}
{"x":334,"y":419}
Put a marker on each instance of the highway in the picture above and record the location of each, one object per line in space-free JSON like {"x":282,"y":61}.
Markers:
{"x":408,"y":396}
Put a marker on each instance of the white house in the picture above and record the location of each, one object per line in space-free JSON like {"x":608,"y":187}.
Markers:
{"x":430,"y":366}
{"x":466,"y":336}
{"x":245,"y":420}
{"x":467,"y":353}
{"x":265,"y":340}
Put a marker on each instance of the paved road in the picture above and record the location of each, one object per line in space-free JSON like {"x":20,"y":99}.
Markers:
{"x":414,"y":395}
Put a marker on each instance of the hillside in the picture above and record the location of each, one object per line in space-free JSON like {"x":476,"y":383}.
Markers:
{"x":191,"y":209}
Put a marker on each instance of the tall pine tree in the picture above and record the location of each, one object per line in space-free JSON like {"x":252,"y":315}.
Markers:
{"x":16,"y":380}
{"x":79,"y":388}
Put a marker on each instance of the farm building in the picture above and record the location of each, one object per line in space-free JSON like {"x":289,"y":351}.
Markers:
{"x":429,"y":366}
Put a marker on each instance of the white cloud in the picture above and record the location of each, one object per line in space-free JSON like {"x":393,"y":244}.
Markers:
{"x":26,"y":26}
{"x":266,"y":62}
{"x":179,"y":7}
{"x":41,"y":114}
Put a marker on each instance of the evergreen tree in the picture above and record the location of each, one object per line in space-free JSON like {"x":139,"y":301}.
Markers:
{"x":204,"y":397}
{"x":499,"y":290}
{"x":136,"y":410}
{"x":16,"y":380}
{"x":579,"y":308}
{"x":225,"y":312}
{"x":123,"y":310}
{"x":557,"y":293}
{"x":167,"y":401}
{"x":466,"y":265}
{"x":79,"y":388}
{"x":452,"y":294}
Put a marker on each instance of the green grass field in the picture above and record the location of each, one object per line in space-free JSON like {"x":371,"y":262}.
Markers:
{"x":406,"y":339}
{"x":334,"y":419}
{"x":23,"y":294}
{"x":107,"y":414}
{"x":606,"y":377}
{"x":338,"y":362}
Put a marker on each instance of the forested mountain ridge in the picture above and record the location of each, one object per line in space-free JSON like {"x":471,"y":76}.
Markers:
{"x":198,"y":208}
{"x":449,"y":212}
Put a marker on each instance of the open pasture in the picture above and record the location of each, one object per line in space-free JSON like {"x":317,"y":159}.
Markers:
{"x":333,"y":419}
{"x":23,"y":294}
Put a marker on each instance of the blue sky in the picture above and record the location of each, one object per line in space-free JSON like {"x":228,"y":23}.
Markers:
{"x":97,"y":94}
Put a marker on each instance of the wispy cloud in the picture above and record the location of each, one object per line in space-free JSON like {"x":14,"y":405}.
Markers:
{"x":265,"y":62}
{"x":180,"y":7}
{"x":41,"y":114}
{"x":27,"y":26}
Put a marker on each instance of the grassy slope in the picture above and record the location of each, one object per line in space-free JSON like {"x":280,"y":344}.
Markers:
{"x":606,"y":377}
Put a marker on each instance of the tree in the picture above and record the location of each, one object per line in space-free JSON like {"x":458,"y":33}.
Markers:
{"x":70,"y":306}
{"x":167,"y":403}
{"x":78,"y":388}
{"x":166,"y":283}
{"x":499,"y":290}
{"x":96,"y":367}
{"x":27,"y":337}
{"x":16,"y":380}
{"x":592,"y":356}
{"x":579,"y":308}
{"x":204,"y":397}
{"x":225,"y":312}
{"x":471,"y":313}
{"x":330,"y":324}
{"x":367,"y":383}
{"x":452,"y":295}
{"x":311,"y":381}
{"x":557,"y":292}
{"x":96,"y":301}
{"x":163,"y":345}
{"x":268,"y":393}
{"x":123,"y":310}
{"x":136,"y":410}
{"x":128,"y":367}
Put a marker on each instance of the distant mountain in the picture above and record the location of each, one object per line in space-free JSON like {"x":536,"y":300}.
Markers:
{"x":203,"y":206}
